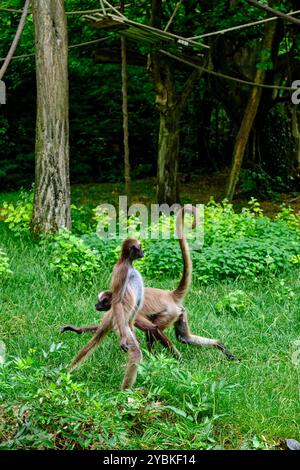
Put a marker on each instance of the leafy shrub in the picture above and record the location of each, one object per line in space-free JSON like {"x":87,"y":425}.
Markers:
{"x":244,"y":244}
{"x":248,"y":246}
{"x":18,"y":216}
{"x":261,"y":183}
{"x":70,"y":257}
{"x":81,"y":219}
{"x":4,"y":265}
{"x":236,"y":244}
{"x":162,"y":258}
{"x":221,"y":222}
{"x":108,"y":250}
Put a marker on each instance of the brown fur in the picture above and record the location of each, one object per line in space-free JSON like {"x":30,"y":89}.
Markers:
{"x":122,"y":312}
{"x":163,"y":309}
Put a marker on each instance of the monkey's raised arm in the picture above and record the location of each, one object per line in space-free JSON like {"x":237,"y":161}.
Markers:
{"x":119,"y":282}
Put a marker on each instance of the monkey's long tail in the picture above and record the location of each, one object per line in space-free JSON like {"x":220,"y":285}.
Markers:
{"x":186,"y":278}
{"x":85,"y":352}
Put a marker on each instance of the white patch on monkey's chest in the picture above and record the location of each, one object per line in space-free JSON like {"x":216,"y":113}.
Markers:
{"x":136,"y":284}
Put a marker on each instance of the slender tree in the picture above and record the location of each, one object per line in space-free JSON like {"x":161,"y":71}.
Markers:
{"x":125,"y":115}
{"x":250,"y":113}
{"x":52,"y":181}
{"x":170,"y":104}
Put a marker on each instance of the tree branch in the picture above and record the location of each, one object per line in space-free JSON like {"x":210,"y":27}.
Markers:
{"x":16,"y":40}
{"x":277,"y":13}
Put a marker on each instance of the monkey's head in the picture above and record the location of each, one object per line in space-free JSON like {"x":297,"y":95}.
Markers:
{"x":131,"y":250}
{"x":104,"y":301}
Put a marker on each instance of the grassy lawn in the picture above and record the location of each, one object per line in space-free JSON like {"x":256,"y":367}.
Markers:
{"x":261,"y":402}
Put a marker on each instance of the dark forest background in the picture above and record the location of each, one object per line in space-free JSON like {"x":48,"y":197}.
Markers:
{"x":208,"y":125}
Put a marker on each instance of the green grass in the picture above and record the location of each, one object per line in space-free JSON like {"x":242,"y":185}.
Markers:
{"x":263,"y":399}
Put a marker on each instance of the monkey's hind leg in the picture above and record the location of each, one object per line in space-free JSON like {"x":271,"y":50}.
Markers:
{"x":153,"y":333}
{"x":102,"y":331}
{"x":184,"y":335}
{"x":80,"y":329}
{"x":134,"y":359}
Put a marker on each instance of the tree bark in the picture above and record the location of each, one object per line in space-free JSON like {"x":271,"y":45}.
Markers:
{"x":168,"y":153}
{"x":296,"y":135}
{"x":52,"y":181}
{"x":242,"y":138}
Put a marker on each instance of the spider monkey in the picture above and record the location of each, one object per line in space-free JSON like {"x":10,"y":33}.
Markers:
{"x":126,"y":300}
{"x":164,"y":308}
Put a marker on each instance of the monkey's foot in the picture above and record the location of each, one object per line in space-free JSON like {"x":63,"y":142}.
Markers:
{"x":123,"y":345}
{"x":232,"y":357}
{"x":70,"y":328}
{"x":227,"y":353}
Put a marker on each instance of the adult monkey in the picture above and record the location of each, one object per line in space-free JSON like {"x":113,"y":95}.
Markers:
{"x":127,"y":299}
{"x":163,"y":308}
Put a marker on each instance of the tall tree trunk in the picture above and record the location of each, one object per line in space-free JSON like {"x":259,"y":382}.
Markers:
{"x":168,"y":152}
{"x":125,"y":113}
{"x":296,"y":135}
{"x":52,"y":181}
{"x":250,"y":113}
{"x":168,"y":143}
{"x":170,"y":104}
{"x":125,"y":121}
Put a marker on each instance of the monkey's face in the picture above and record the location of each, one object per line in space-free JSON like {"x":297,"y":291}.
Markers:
{"x":131,"y":250}
{"x":136,"y":251}
{"x":104,"y":301}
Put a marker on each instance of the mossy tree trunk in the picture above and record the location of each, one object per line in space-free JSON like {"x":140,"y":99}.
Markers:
{"x":52,"y":181}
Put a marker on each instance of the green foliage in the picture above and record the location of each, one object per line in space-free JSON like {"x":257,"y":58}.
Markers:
{"x":162,"y":258}
{"x":245,"y":244}
{"x":234,"y":302}
{"x":42,"y":407}
{"x":265,"y":60}
{"x":18,"y":215}
{"x":295,"y":259}
{"x":236,"y":244}
{"x":194,"y":394}
{"x":4,"y":265}
{"x":57,"y":412}
{"x":70,"y":257}
{"x":96,"y":139}
{"x":81,"y":219}
{"x":263,"y":184}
